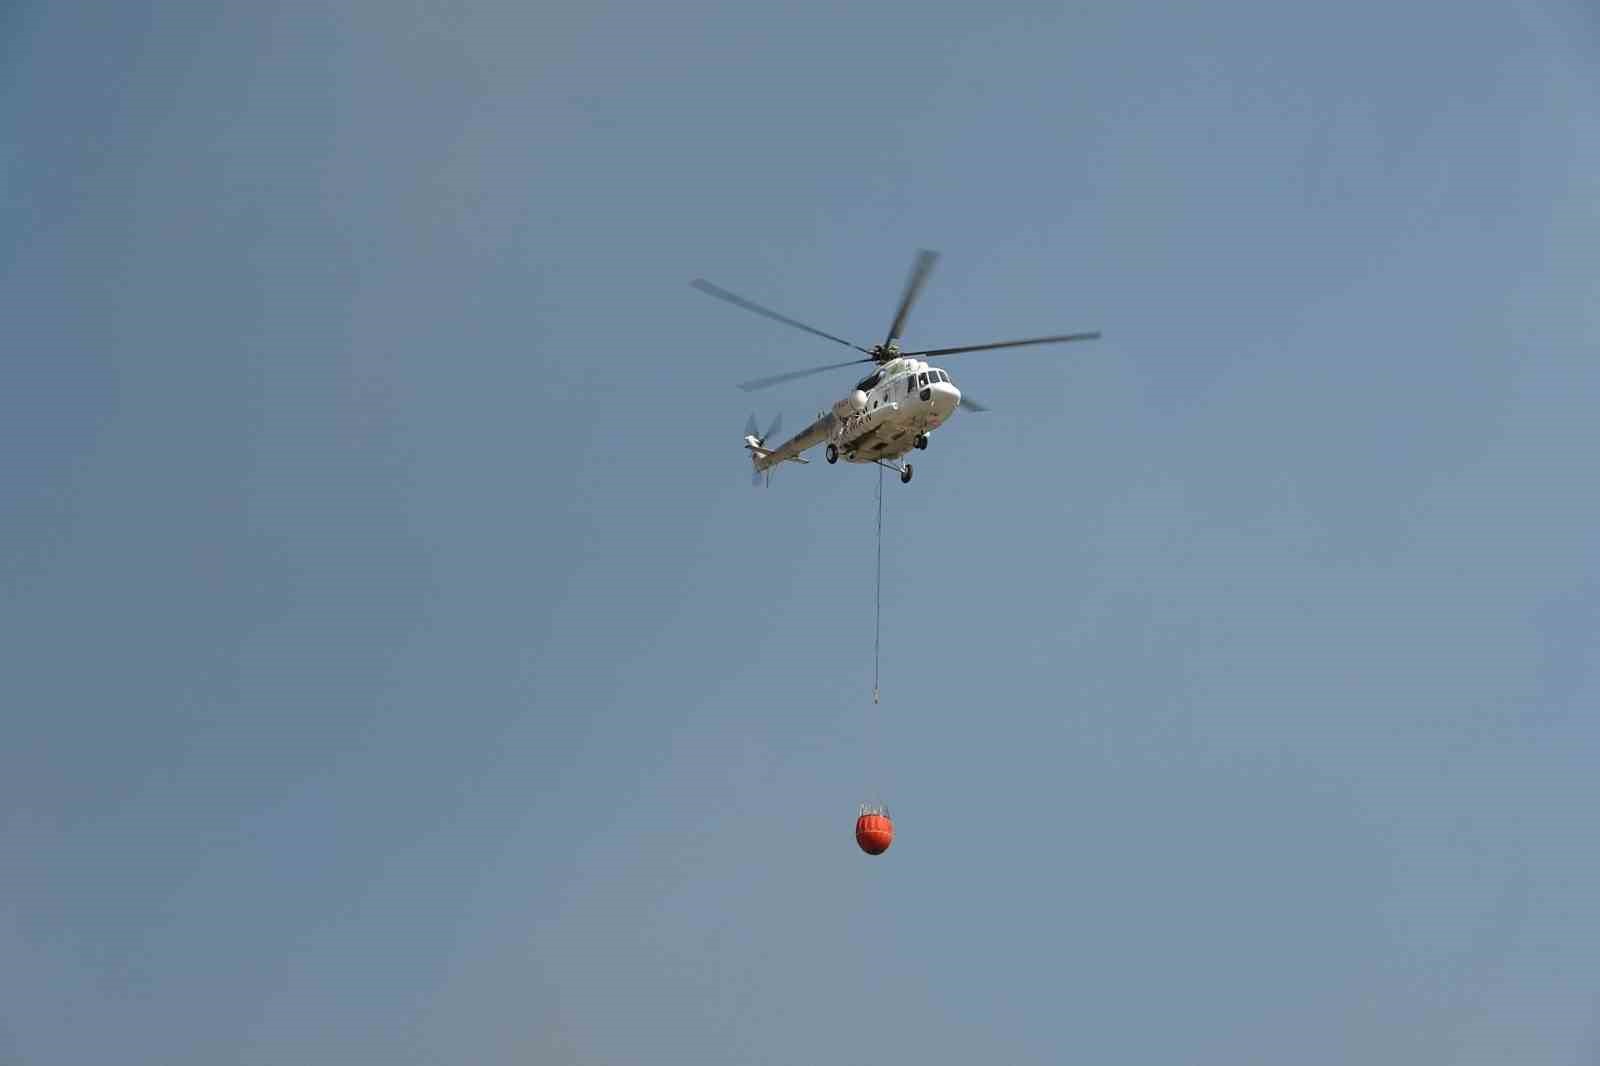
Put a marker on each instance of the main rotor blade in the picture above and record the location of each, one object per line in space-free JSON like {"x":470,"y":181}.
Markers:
{"x":761,"y":383}
{"x":919,"y":274}
{"x":972,"y":405}
{"x":1062,"y":339}
{"x":739,"y":301}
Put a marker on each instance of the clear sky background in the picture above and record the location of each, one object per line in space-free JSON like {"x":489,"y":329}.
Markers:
{"x":399,"y":667}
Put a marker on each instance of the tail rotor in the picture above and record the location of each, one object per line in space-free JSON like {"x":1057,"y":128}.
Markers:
{"x":756,"y":442}
{"x":760,"y":439}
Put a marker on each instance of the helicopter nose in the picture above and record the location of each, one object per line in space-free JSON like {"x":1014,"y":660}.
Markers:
{"x":945,"y":397}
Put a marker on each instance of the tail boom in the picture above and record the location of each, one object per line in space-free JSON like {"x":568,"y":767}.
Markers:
{"x":789,"y":451}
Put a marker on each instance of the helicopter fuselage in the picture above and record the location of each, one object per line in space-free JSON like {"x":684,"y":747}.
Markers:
{"x":883,"y":418}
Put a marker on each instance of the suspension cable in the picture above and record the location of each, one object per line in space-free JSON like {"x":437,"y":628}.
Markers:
{"x":877,"y":622}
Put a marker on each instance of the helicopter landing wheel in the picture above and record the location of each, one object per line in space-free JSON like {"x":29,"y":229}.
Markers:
{"x":921,"y":443}
{"x":832,"y":454}
{"x":905,"y":474}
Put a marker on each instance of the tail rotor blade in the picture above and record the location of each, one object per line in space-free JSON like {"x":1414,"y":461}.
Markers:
{"x":750,"y":427}
{"x":772,"y":430}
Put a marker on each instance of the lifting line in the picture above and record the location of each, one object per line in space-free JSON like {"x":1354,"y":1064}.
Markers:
{"x":877,"y":625}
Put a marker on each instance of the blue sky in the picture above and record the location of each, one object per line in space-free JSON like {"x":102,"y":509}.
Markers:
{"x":400,"y":668}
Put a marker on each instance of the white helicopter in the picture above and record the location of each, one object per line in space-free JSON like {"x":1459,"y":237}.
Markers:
{"x":890,"y":411}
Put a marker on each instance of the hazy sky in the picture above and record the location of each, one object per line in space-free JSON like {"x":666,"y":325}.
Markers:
{"x":399,"y":667}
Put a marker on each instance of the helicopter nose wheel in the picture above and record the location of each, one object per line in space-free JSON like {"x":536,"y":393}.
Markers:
{"x":905,"y":474}
{"x":832,"y":454}
{"x":921,"y":443}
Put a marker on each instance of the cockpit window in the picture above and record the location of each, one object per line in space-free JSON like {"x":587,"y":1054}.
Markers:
{"x":866,"y":383}
{"x":922,"y":379}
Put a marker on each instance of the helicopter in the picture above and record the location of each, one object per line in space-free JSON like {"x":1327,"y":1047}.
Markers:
{"x":891,"y":411}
